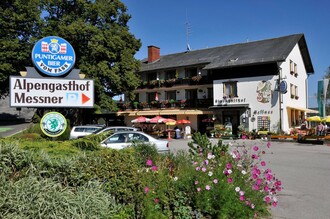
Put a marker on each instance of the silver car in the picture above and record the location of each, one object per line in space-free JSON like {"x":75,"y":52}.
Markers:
{"x":115,"y":129}
{"x":120,"y":140}
{"x":83,"y":130}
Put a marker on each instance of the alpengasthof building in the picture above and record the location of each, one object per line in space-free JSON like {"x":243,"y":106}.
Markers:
{"x":260,"y":85}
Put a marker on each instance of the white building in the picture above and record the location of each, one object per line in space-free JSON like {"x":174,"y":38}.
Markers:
{"x":260,"y":85}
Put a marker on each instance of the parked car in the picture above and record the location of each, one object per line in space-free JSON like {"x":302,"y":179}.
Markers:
{"x":83,"y":130}
{"x":120,"y":140}
{"x":112,"y":129}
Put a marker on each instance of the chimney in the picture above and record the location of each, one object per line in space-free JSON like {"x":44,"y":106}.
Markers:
{"x":153,"y":53}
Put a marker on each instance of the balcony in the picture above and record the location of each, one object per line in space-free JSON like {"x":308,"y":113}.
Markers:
{"x":166,"y":104}
{"x":195,"y":80}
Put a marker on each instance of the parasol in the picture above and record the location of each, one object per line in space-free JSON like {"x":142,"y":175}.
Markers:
{"x":183,"y":121}
{"x":170,"y":121}
{"x":156,"y":119}
{"x":140,"y":119}
{"x":314,"y":119}
{"x":326,"y":119}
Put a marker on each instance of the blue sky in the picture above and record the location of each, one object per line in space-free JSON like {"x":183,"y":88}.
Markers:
{"x":215,"y":23}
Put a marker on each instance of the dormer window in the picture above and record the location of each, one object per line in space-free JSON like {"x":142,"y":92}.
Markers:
{"x":230,"y":89}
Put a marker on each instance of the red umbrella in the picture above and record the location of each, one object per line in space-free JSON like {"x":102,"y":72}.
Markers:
{"x":183,"y":121}
{"x":140,"y":119}
{"x":156,"y":119}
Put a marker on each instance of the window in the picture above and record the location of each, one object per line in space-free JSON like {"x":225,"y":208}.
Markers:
{"x":294,"y":91}
{"x":151,"y":96}
{"x":170,"y":95}
{"x":230,"y":89}
{"x":170,"y":74}
{"x":189,"y":72}
{"x":191,"y":94}
{"x":291,"y":67}
{"x":295,"y":70}
{"x":210,"y":93}
{"x":152,"y":76}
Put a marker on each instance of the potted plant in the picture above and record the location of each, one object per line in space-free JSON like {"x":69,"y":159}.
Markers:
{"x":135,"y":104}
{"x":170,"y":82}
{"x":182,"y":103}
{"x":196,"y":78}
{"x":172,"y":103}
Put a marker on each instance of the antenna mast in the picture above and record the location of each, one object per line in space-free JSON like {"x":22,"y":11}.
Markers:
{"x":188,"y":31}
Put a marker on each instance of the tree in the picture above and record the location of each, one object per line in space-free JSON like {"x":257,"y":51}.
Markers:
{"x":20,"y":25}
{"x":104,"y":48}
{"x":99,"y":34}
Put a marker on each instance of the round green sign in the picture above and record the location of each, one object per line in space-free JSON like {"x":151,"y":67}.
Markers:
{"x":53,"y":124}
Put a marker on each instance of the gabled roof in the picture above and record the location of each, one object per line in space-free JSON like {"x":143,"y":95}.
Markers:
{"x":250,"y":53}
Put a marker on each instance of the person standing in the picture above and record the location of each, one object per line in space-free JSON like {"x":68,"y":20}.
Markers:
{"x":177,"y":132}
{"x":320,"y":129}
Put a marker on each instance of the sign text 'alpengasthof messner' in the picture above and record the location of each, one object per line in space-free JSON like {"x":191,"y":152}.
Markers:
{"x":27,"y":87}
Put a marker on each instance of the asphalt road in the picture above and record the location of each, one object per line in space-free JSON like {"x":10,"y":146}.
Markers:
{"x":304,"y":170}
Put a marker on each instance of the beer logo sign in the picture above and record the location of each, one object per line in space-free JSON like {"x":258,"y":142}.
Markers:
{"x":53,"y":56}
{"x":53,"y":124}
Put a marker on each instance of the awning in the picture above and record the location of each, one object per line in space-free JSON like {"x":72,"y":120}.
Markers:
{"x":302,"y":109}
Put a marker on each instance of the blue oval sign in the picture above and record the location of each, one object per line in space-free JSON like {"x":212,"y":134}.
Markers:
{"x":283,"y":87}
{"x":53,"y":56}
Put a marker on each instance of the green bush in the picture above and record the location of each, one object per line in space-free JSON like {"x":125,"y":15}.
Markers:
{"x":136,"y":182}
{"x":32,"y":197}
{"x":144,"y":151}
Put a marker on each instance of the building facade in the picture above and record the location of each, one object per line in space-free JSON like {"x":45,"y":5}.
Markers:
{"x":260,"y":85}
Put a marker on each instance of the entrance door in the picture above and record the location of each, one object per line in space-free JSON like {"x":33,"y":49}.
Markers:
{"x":233,"y":118}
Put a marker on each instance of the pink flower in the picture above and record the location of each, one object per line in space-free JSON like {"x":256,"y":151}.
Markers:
{"x":268,"y":144}
{"x":263,"y":163}
{"x":252,"y":206}
{"x":196,"y":182}
{"x":255,"y":148}
{"x":203,"y":169}
{"x":254,"y":156}
{"x":215,"y":181}
{"x":267,"y":199}
{"x":198,"y":168}
{"x":274,"y":204}
{"x":146,"y":189}
{"x":266,"y":188}
{"x":259,"y":181}
{"x":156,"y":200}
{"x":256,"y":187}
{"x":149,"y":163}
{"x":154,"y":168}
{"x":228,"y":166}
{"x":207,"y":187}
{"x":242,"y":198}
{"x":206,"y":162}
{"x":230,"y":180}
{"x":198,"y":189}
{"x":247,"y":202}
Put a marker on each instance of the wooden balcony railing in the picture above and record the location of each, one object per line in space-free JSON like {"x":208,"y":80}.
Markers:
{"x":195,"y":80}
